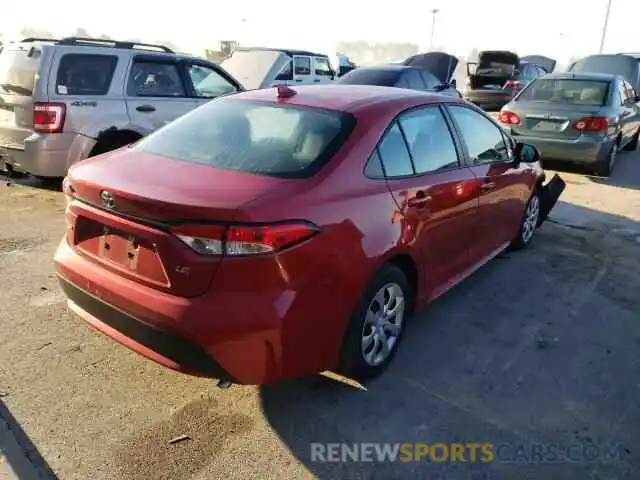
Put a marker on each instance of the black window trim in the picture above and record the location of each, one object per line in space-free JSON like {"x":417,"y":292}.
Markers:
{"x":191,"y":90}
{"x":467,"y":156}
{"x":163,"y":60}
{"x":74,"y":54}
{"x":455,"y":137}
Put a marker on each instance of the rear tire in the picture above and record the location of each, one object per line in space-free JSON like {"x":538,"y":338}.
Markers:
{"x":605,"y":168}
{"x":530,"y":221}
{"x":633,"y":144}
{"x":376,"y":328}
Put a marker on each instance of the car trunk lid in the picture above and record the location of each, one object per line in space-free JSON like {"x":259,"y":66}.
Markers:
{"x":128,"y":226}
{"x":440,"y":64}
{"x":550,"y":120}
{"x":493,"y":69}
{"x":256,"y":69}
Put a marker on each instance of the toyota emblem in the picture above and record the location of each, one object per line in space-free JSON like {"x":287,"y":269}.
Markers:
{"x":108,"y":200}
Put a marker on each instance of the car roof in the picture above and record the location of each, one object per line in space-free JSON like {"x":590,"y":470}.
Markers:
{"x":354,"y":99}
{"x":582,"y":76}
{"x":393,"y":67}
{"x":287,"y":51}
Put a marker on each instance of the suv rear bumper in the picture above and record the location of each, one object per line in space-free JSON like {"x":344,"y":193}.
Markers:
{"x":42,"y":155}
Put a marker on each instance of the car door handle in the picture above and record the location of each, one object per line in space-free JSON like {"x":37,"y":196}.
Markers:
{"x":419,"y":201}
{"x":146,"y":108}
{"x":317,"y":80}
{"x":487,"y":185}
{"x":298,"y":80}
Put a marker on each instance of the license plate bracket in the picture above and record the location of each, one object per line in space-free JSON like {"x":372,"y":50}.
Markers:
{"x":119,"y":248}
{"x":544,"y":126}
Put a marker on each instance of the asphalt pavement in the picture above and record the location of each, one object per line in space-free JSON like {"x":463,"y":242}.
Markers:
{"x":539,"y":347}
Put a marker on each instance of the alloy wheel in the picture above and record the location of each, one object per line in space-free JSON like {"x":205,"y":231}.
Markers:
{"x":531,"y":215}
{"x":383,"y":324}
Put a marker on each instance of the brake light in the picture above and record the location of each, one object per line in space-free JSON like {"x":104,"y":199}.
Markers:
{"x":509,"y":118}
{"x":48,"y":117}
{"x":591,"y":124}
{"x":513,"y":84}
{"x":244,"y":240}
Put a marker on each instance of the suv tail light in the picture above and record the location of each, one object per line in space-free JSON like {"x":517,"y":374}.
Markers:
{"x":48,"y":117}
{"x":244,"y":240}
{"x":513,"y":84}
{"x":591,"y":124}
{"x":509,"y":118}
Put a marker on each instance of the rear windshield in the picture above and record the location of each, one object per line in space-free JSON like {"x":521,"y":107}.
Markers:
{"x":255,"y":137}
{"x":569,"y":91}
{"x":384,"y":78}
{"x":613,"y":64}
{"x":18,"y":68}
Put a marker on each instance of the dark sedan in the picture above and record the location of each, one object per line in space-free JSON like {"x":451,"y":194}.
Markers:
{"x":401,"y":76}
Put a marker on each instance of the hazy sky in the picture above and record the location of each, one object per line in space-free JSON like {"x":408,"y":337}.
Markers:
{"x":557,"y":28}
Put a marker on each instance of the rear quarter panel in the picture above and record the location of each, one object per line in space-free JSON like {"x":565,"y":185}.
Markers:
{"x":359,"y":231}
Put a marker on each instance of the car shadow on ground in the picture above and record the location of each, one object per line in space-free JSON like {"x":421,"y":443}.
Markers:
{"x":54,"y":184}
{"x":19,"y":452}
{"x":535,"y":354}
{"x":626,"y":173}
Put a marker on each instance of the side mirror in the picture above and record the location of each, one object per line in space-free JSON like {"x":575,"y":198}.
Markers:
{"x":637,"y":99}
{"x":454,"y":84}
{"x":525,"y":153}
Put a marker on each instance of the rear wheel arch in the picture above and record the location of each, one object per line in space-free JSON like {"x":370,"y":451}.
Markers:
{"x":113,"y":138}
{"x":408,"y":266}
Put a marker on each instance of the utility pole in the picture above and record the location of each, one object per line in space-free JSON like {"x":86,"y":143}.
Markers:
{"x":433,"y":26}
{"x":604,"y":27}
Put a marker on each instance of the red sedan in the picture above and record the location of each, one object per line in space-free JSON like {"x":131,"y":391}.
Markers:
{"x":277,"y":233}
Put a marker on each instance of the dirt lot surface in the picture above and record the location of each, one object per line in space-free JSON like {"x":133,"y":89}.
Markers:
{"x":539,"y":347}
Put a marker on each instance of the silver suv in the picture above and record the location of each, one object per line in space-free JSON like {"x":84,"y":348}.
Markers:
{"x":62,"y":101}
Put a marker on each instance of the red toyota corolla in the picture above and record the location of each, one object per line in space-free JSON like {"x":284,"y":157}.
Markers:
{"x":277,"y":233}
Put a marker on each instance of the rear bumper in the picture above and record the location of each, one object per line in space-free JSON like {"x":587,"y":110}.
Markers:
{"x":253,"y":326}
{"x":583,"y":150}
{"x":166,"y":348}
{"x":42,"y":155}
{"x":488,"y":99}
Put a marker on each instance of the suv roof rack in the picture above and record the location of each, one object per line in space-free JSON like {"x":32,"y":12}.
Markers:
{"x":101,"y":42}
{"x":37,"y":39}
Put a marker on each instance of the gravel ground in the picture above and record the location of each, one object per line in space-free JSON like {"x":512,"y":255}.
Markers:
{"x":538,"y":346}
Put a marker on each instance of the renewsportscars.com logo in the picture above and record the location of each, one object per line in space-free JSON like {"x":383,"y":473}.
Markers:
{"x":469,"y":452}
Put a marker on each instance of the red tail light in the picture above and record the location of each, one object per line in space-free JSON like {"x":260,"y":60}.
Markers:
{"x":591,"y":124}
{"x":509,"y":118}
{"x":48,"y":117}
{"x":243,"y":240}
{"x":513,"y":84}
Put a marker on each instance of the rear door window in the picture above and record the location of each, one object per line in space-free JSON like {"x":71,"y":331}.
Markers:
{"x":82,"y":74}
{"x":18,"y":67}
{"x":430,"y":141}
{"x":261,"y":138}
{"x":392,"y":154}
